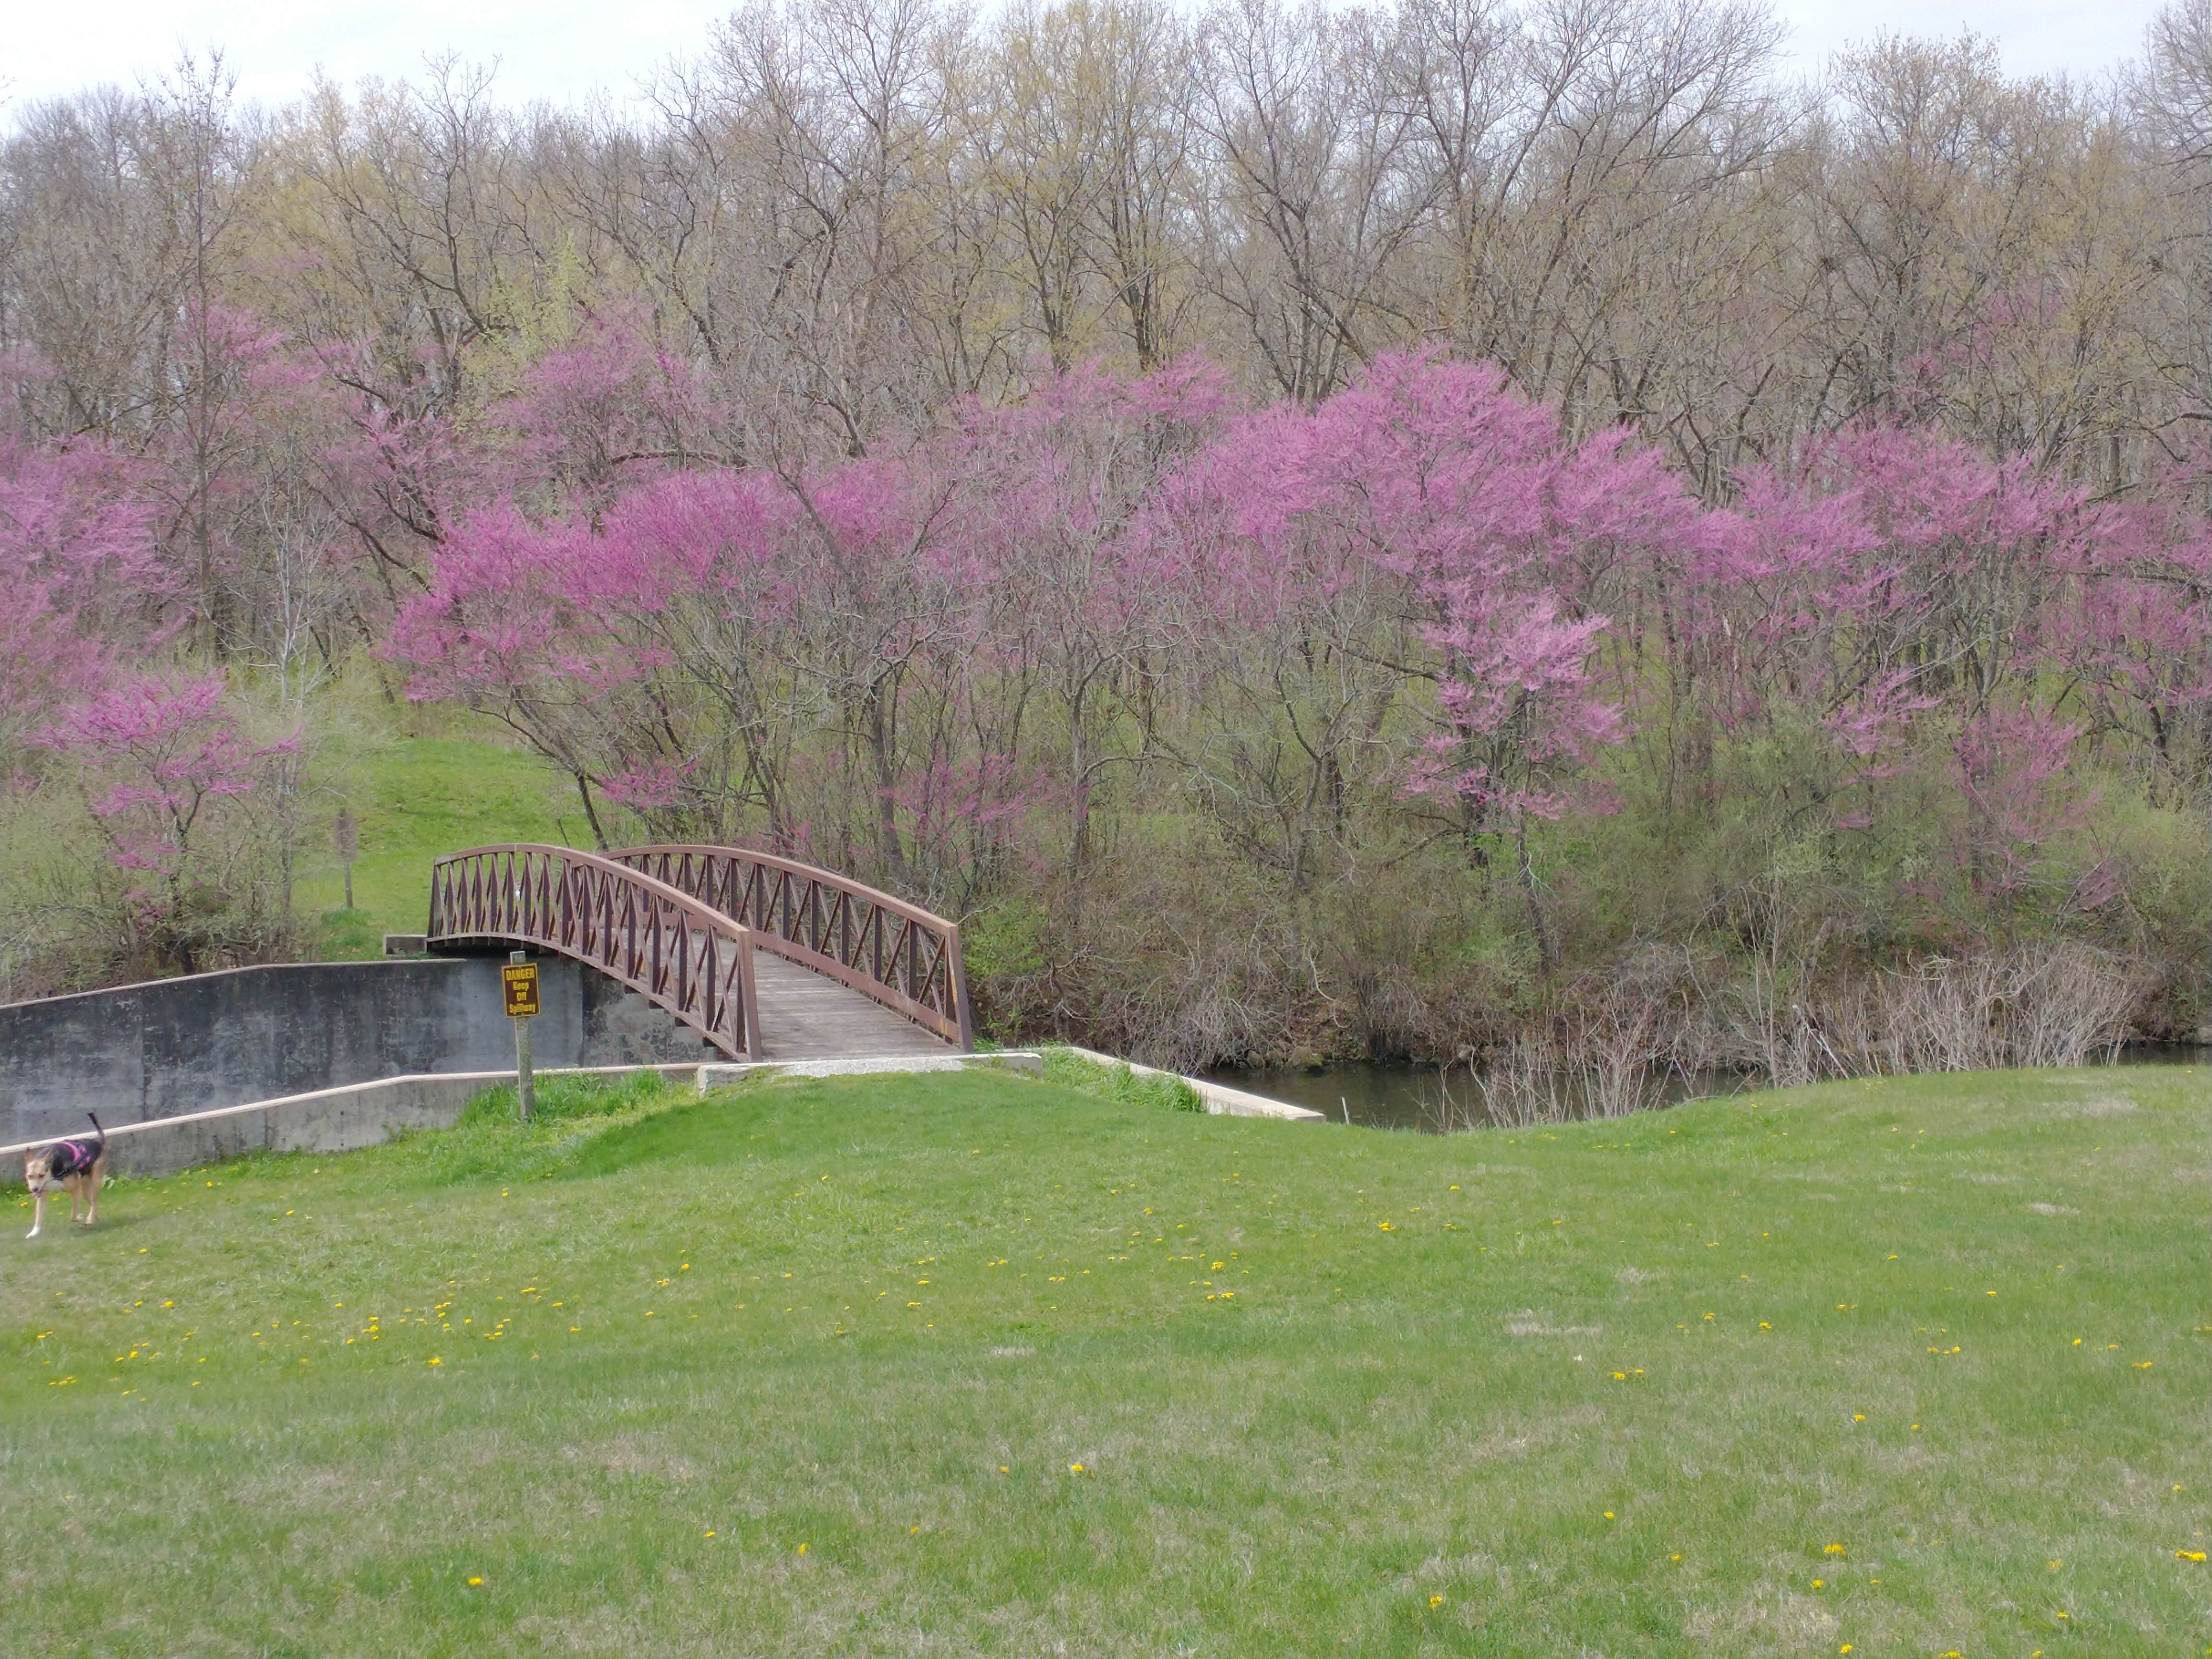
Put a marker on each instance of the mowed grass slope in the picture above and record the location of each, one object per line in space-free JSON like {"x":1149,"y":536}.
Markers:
{"x":976,"y":1364}
{"x":415,"y":799}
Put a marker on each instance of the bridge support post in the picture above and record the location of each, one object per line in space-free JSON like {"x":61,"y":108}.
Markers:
{"x":525,"y":1082}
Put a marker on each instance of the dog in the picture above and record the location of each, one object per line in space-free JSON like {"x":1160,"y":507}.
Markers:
{"x":81,"y":1166}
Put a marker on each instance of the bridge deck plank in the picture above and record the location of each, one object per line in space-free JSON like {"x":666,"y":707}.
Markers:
{"x":804,"y":1015}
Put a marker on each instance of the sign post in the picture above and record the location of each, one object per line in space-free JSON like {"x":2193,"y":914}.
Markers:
{"x":519,"y":979}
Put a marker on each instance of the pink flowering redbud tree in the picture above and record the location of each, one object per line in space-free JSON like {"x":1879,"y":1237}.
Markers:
{"x":78,"y":574}
{"x":604,"y":411}
{"x":78,"y":578}
{"x":1484,"y":524}
{"x":500,"y":632}
{"x":1920,"y":611}
{"x":159,"y":760}
{"x":1045,"y":527}
{"x":695,"y":581}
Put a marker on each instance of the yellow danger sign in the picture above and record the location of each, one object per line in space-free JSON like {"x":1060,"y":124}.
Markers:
{"x":521,"y":980}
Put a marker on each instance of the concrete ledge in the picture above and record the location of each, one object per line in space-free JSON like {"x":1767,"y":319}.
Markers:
{"x":1221,"y":1100}
{"x":360,"y":1115}
{"x":1030,"y":1064}
{"x":367,"y":1113}
{"x":339,"y":1120}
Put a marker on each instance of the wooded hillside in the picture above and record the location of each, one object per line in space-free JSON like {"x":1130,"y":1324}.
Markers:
{"x":1456,"y":529}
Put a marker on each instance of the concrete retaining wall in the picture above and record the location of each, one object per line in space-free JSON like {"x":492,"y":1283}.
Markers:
{"x":367,"y":1113}
{"x":209,"y":1041}
{"x":327,"y":1121}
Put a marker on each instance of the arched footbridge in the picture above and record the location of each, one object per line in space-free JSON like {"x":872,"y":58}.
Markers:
{"x":764,"y":957}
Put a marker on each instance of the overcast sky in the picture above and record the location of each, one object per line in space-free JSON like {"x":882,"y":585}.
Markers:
{"x":564,"y":50}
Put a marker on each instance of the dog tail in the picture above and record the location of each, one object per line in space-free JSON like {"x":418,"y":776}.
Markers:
{"x":97,"y":1130}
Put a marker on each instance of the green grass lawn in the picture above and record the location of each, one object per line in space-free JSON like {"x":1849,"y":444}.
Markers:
{"x":977,"y":1364}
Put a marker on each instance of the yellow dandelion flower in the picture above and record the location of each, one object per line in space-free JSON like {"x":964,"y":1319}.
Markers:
{"x":473,"y":1582}
{"x":1835,"y":1549}
{"x":1436,"y":1601}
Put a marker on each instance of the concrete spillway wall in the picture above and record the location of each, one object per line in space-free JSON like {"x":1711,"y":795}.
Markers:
{"x":209,"y":1041}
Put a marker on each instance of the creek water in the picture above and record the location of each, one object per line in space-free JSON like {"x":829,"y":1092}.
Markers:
{"x":1379,"y":1096}
{"x":1376,"y":1095}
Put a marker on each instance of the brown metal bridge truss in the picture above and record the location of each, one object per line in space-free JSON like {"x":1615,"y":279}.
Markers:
{"x":897,"y":953}
{"x":678,"y":924}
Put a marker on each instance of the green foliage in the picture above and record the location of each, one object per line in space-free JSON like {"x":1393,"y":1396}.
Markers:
{"x":1002,"y":946}
{"x":1119,"y":1083}
{"x":558,"y":1098}
{"x":350,"y":934}
{"x":490,"y":1143}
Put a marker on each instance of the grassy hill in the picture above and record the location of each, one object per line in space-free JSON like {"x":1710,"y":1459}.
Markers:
{"x":974,"y":1364}
{"x":415,"y":799}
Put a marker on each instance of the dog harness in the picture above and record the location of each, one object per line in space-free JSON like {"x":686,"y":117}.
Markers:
{"x":71,"y":1157}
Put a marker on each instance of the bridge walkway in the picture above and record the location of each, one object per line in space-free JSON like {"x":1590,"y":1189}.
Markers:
{"x":804,"y":1015}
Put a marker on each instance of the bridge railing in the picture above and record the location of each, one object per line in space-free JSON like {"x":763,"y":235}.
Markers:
{"x":898,"y":953}
{"x":686,"y":955}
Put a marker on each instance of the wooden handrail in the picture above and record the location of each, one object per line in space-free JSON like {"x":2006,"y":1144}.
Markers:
{"x":686,"y":956}
{"x":883,"y":947}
